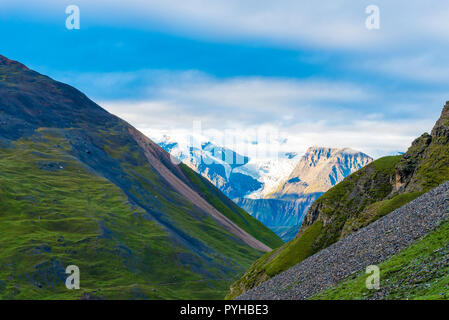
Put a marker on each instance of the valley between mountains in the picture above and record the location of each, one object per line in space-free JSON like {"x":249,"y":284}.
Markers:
{"x":80,"y":186}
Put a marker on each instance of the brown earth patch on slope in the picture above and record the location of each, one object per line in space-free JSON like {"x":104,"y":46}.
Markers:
{"x":154,"y":153}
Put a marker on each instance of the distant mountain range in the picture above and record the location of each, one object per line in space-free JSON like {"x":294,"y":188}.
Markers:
{"x":277,"y":192}
{"x":79,"y":186}
{"x":235,"y":175}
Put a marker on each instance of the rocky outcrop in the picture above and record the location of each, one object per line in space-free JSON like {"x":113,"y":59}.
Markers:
{"x":441,"y":129}
{"x":426,"y":163}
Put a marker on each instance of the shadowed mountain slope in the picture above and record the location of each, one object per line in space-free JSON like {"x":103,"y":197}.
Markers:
{"x":81,"y":186}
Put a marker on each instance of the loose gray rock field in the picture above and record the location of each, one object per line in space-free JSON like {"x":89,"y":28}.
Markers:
{"x":369,"y":246}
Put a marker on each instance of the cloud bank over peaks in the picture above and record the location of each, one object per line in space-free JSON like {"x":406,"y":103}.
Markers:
{"x":302,"y":112}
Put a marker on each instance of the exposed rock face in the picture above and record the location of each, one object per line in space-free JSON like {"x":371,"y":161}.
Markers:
{"x":410,"y":161}
{"x":218,"y":164}
{"x":320,"y":169}
{"x":427,"y":160}
{"x":441,"y":128}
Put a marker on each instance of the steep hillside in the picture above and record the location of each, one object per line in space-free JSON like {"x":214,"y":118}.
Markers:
{"x":365,"y":196}
{"x":80,"y":186}
{"x":399,"y":233}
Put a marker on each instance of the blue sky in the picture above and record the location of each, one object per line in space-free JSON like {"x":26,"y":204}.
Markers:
{"x":314,"y":72}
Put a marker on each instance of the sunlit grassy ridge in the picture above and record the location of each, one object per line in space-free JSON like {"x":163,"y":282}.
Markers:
{"x":361,"y":198}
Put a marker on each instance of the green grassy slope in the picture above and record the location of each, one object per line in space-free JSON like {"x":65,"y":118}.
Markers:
{"x":419,"y":272}
{"x":54,"y":212}
{"x":363,"y":197}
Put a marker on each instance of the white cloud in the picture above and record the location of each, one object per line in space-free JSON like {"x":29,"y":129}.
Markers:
{"x":304,"y":112}
{"x":376,"y":138}
{"x":184,"y":97}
